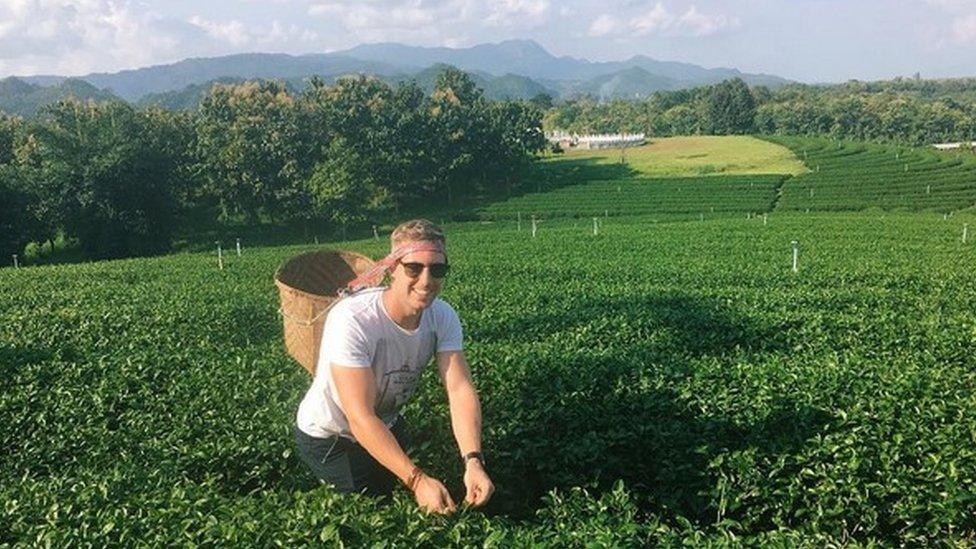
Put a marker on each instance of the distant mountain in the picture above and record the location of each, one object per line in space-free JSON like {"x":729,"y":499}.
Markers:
{"x":527,"y":58}
{"x":632,"y":83}
{"x":25,"y":99}
{"x":512,"y":69}
{"x":134,"y":84}
{"x":509,"y":86}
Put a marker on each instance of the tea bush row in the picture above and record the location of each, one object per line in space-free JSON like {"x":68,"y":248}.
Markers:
{"x":853,"y":176}
{"x":657,"y":384}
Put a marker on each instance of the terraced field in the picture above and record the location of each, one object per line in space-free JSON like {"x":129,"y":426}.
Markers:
{"x":855,"y":176}
{"x":839,"y":176}
{"x":672,"y":177}
{"x":660,"y":383}
{"x":640,"y":196}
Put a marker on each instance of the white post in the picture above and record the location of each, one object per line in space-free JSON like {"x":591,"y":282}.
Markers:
{"x":796,"y":255}
{"x":764,"y":220}
{"x":928,"y":189}
{"x":945,"y":217}
{"x":220,"y":256}
{"x":238,"y":247}
{"x":596,"y":228}
{"x":965,"y":232}
{"x":376,"y":235}
{"x":533,"y":226}
{"x":16,"y":264}
{"x":316,"y":240}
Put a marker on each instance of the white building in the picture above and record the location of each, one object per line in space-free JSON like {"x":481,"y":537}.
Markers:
{"x":954,"y":146}
{"x":597,"y":141}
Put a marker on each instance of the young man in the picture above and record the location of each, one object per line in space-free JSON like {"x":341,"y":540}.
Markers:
{"x":375,"y":345}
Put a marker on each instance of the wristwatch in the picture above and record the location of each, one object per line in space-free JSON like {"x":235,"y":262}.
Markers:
{"x":473,"y":455}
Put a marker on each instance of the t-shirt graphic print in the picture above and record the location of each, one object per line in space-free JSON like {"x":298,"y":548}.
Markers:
{"x":359,"y":333}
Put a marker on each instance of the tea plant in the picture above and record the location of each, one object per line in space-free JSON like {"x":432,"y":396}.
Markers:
{"x":660,"y":383}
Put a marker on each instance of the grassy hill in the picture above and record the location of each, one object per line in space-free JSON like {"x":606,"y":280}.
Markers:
{"x":685,"y":176}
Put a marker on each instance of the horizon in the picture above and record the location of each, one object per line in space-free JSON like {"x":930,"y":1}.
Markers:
{"x":808,"y":41}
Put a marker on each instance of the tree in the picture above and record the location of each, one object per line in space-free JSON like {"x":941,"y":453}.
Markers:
{"x":251,"y":152}
{"x":730,"y":108}
{"x":542,"y":101}
{"x":17,"y":224}
{"x":459,"y":114}
{"x":341,"y":186}
{"x":98,"y":177}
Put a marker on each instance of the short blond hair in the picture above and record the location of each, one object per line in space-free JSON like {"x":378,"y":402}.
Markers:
{"x":417,"y":230}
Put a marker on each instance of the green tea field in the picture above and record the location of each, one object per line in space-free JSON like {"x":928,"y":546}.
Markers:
{"x":669,"y":380}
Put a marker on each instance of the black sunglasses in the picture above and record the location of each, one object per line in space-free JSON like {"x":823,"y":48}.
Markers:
{"x":437,"y":270}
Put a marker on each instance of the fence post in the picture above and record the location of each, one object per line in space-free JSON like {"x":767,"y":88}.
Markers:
{"x":16,"y":263}
{"x":238,"y":247}
{"x":533,"y":226}
{"x":596,"y":228}
{"x":220,"y":256}
{"x":796,"y":255}
{"x":764,"y":220}
{"x":376,"y":235}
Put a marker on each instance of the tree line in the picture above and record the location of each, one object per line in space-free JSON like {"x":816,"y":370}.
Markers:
{"x":909,"y":111}
{"x":123,"y":181}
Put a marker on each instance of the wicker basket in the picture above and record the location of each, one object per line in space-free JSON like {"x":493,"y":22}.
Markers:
{"x":307,"y":285}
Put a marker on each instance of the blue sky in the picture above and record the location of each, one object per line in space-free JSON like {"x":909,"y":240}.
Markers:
{"x":806,"y":40}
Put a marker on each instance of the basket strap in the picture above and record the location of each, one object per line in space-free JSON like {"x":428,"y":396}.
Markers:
{"x":311,"y":321}
{"x":386,"y":264}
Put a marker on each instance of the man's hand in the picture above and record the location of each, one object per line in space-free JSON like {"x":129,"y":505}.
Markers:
{"x":480,"y":487}
{"x":432,"y":496}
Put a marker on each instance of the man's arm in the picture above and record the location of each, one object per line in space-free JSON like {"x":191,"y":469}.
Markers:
{"x":465,"y":421}
{"x":357,"y":397}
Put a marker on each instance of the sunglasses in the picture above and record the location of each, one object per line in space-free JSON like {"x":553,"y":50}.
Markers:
{"x":437,"y":270}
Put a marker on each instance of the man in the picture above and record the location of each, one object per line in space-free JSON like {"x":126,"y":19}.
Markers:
{"x":375,"y":345}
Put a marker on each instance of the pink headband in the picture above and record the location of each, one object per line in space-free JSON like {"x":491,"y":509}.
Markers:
{"x":388,"y":263}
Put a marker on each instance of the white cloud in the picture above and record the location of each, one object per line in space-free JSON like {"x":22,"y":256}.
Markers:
{"x":659,"y":20}
{"x":517,"y":12}
{"x":964,"y":29}
{"x":232,"y":32}
{"x":603,"y":25}
{"x":431,"y":22}
{"x":655,"y":20}
{"x":699,"y":24}
{"x":75,"y":37}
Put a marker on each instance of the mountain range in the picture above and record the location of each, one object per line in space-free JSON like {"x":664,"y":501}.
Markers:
{"x":511,"y":69}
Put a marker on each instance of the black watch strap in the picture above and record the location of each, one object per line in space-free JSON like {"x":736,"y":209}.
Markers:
{"x":473,"y":455}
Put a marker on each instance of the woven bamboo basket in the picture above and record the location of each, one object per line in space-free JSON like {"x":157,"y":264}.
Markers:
{"x":307,"y":285}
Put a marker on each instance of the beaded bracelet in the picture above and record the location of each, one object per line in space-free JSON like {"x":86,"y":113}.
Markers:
{"x":414,"y":478}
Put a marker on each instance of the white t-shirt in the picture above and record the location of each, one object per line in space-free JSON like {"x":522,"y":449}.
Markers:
{"x":359,"y":333}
